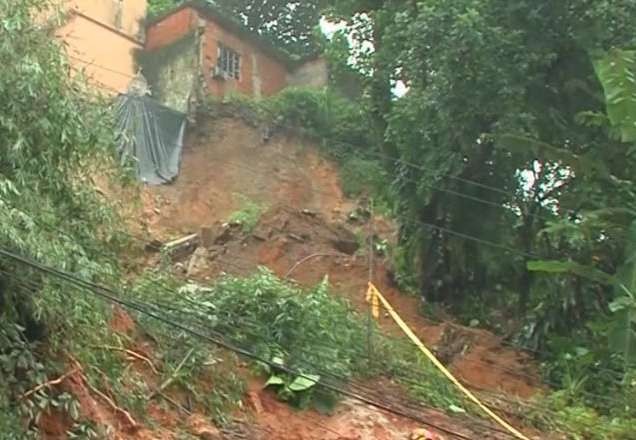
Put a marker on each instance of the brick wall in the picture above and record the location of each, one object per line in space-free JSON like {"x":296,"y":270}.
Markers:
{"x":171,"y":28}
{"x":260,"y":75}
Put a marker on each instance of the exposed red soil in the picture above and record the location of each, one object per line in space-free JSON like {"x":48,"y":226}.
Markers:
{"x":285,"y":236}
{"x":225,"y":161}
{"x":352,"y":421}
{"x":307,"y":217}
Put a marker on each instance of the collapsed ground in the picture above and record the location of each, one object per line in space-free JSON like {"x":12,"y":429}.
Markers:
{"x":279,"y":204}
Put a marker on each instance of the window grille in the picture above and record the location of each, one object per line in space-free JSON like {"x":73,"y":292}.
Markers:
{"x":228,"y":63}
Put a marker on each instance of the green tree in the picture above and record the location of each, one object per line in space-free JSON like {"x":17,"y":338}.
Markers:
{"x":480,"y":74}
{"x":504,"y":152}
{"x":53,"y":139}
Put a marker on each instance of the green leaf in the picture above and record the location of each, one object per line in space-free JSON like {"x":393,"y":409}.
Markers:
{"x":303,"y":383}
{"x":278,"y":360}
{"x":616,"y":72}
{"x":457,"y":409}
{"x":588,"y":272}
{"x":622,"y":303}
{"x":274,"y":381}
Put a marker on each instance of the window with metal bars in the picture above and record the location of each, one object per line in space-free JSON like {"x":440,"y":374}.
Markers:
{"x":228,"y":63}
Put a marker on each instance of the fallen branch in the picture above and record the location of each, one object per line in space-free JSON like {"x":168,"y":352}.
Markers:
{"x":133,"y":354}
{"x":172,"y":377}
{"x":174,"y":403}
{"x":133,"y":424}
{"x":49,"y":384}
{"x":181,"y":247}
{"x":183,"y":241}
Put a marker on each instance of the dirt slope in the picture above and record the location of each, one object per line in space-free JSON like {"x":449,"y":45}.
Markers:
{"x":304,"y":234}
{"x":225,"y":162}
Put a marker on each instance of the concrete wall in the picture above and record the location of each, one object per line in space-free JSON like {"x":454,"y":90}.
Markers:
{"x":174,"y":73}
{"x":124,"y":15}
{"x":101,"y":37}
{"x":314,"y":73}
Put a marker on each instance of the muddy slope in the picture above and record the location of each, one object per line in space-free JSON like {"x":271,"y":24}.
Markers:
{"x":305,"y":233}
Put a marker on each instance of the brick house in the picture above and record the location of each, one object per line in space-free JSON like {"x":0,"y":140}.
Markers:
{"x":193,"y":49}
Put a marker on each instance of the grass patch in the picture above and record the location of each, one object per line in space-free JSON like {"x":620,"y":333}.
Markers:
{"x":248,"y":215}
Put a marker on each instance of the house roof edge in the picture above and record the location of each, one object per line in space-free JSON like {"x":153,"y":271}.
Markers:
{"x":260,"y":42}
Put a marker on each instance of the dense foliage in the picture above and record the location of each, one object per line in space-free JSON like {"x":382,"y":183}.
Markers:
{"x":511,"y":157}
{"x":54,"y":138}
{"x":290,"y":25}
{"x":310,"y":331}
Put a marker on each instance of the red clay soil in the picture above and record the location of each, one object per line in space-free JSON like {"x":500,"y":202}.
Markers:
{"x":285,"y":236}
{"x":225,"y":161}
{"x":352,"y":421}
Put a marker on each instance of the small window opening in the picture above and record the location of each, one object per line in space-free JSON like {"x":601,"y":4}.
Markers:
{"x":228,"y":63}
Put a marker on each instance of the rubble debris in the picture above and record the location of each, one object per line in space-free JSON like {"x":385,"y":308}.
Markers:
{"x":182,"y":247}
{"x":198,"y":263}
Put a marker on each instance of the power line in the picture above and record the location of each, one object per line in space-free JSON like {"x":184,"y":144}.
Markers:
{"x":112,"y":296}
{"x":95,"y":64}
{"x":461,"y":235}
{"x":322,"y":372}
{"x":157,"y":307}
{"x":242,"y":268}
{"x":405,"y":403}
{"x":345,"y":380}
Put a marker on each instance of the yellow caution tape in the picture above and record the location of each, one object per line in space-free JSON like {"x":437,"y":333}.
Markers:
{"x":375,"y":303}
{"x":374,"y":297}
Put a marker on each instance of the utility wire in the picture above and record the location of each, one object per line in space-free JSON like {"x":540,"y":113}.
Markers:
{"x":342,"y":381}
{"x":257,"y":336}
{"x":112,"y":296}
{"x":243,"y":269}
{"x":346,"y":381}
{"x":100,"y":66}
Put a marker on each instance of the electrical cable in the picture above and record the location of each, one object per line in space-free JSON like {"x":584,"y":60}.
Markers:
{"x":345,"y":381}
{"x":112,"y":296}
{"x":246,"y":268}
{"x":257,"y":335}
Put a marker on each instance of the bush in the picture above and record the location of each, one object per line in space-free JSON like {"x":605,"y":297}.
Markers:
{"x":248,"y":216}
{"x":55,"y":133}
{"x":309,"y":331}
{"x":323,"y":115}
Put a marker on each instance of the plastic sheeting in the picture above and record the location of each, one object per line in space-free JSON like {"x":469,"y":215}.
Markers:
{"x":151,"y":135}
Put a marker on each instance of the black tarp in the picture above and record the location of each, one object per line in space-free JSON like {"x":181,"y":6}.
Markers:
{"x":151,"y":135}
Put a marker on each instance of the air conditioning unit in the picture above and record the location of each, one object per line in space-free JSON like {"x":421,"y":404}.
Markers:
{"x":218,"y":73}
